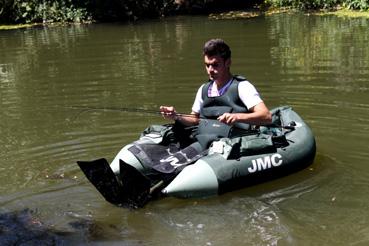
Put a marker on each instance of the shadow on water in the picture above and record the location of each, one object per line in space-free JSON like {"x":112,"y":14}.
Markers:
{"x":24,"y":228}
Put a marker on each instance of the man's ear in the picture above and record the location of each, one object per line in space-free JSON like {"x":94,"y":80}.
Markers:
{"x":228,"y":62}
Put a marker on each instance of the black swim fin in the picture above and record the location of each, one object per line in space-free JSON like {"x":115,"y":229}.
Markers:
{"x":136,"y":187}
{"x":133,"y":191}
{"x":99,"y":173}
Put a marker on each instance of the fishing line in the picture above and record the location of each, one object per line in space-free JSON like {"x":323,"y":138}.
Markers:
{"x":85,"y":109}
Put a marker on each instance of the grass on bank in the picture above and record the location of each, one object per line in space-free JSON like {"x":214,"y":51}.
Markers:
{"x":48,"y":24}
{"x":346,"y":13}
{"x":11,"y":27}
{"x":339,"y":12}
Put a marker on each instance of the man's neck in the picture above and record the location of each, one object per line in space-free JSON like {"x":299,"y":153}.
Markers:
{"x":222,"y":81}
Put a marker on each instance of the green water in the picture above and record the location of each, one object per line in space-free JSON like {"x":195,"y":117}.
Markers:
{"x":317,"y":65}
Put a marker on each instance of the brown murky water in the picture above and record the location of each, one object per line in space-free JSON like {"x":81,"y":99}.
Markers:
{"x":318,"y":65}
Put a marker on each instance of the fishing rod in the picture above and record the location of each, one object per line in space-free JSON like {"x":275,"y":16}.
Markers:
{"x":85,"y":109}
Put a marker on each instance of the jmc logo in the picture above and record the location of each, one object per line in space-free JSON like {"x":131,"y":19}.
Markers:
{"x":266,"y":162}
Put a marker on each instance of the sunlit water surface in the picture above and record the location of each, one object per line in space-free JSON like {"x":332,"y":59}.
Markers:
{"x":317,"y":65}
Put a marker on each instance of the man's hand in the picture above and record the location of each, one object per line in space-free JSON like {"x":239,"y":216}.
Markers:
{"x":168,"y":112}
{"x":228,"y":118}
{"x":257,"y":115}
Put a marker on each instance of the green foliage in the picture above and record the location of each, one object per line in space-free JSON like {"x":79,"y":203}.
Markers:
{"x":115,"y":10}
{"x":15,"y":11}
{"x":357,"y":4}
{"x":27,"y":11}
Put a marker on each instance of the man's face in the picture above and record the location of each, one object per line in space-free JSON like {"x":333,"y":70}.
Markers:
{"x":216,"y":66}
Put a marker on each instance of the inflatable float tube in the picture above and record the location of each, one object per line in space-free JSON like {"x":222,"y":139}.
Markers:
{"x":286,"y":146}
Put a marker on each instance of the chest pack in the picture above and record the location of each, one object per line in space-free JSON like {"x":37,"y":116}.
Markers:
{"x":210,"y":128}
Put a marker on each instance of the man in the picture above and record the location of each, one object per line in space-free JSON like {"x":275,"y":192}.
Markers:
{"x":229,"y":99}
{"x":226,"y":106}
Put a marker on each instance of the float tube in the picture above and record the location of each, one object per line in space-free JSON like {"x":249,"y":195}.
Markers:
{"x":166,"y":161}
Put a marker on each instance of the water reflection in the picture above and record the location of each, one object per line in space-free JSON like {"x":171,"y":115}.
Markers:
{"x":325,"y":49}
{"x":318,"y":65}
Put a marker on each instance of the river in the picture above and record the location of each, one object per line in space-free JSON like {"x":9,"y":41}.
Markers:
{"x":319,"y":65}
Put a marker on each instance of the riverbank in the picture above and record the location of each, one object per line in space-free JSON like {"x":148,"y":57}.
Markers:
{"x":238,"y":14}
{"x":340,"y":12}
{"x":19,"y":26}
{"x":345,"y":13}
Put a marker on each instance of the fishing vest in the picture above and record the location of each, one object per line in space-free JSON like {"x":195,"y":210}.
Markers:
{"x":213,"y":107}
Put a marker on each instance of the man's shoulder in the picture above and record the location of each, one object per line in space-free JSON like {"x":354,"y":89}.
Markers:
{"x":239,"y":78}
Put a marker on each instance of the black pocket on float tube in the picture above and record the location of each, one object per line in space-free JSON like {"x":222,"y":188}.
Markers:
{"x":167,"y":159}
{"x":174,"y":163}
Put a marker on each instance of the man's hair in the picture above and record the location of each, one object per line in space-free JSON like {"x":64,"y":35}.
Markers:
{"x":217,"y":47}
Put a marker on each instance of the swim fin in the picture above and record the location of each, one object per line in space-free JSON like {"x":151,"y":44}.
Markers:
{"x":133,"y":191}
{"x":136,"y":187}
{"x":99,"y":173}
